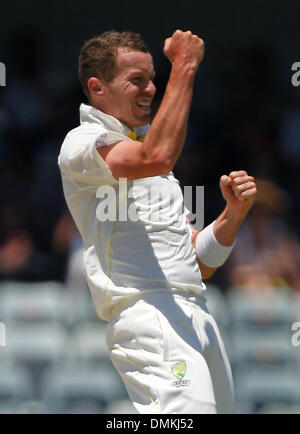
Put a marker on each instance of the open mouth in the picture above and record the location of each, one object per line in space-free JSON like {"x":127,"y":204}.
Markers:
{"x":144,"y":105}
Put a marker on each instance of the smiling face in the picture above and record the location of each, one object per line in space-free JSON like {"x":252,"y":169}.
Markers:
{"x":129,"y":95}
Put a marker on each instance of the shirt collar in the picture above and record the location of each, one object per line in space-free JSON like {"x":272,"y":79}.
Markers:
{"x":91,"y":115}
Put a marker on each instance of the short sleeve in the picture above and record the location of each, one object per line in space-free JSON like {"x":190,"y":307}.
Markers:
{"x":80,"y":160}
{"x":108,"y":138}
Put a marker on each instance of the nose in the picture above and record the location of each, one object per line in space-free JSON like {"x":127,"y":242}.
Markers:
{"x":150,"y":89}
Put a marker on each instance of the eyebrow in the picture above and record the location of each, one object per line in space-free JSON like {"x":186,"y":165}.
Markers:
{"x":139,"y":71}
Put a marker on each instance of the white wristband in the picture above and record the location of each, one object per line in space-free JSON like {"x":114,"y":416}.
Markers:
{"x":209,"y":250}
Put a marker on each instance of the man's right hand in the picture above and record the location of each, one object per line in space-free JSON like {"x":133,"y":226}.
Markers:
{"x":184,"y":48}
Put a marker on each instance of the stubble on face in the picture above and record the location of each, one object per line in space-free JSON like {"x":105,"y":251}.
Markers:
{"x":129,"y":95}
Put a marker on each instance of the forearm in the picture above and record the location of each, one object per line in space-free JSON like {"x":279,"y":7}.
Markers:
{"x":164,"y":141}
{"x":226,"y":226}
{"x":214,"y":244}
{"x":166,"y":136}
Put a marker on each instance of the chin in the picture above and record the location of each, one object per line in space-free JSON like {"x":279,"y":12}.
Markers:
{"x":142,"y":120}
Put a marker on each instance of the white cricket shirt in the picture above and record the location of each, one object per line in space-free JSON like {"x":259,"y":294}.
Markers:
{"x":136,"y":236}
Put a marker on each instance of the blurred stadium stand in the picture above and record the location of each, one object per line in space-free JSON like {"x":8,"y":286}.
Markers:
{"x":54,"y":365}
{"x":81,"y":387}
{"x":258,"y":339}
{"x":32,"y":302}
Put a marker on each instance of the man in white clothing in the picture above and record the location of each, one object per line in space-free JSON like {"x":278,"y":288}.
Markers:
{"x":145,"y":267}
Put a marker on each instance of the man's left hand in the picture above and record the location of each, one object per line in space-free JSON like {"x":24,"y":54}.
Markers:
{"x":239,"y":191}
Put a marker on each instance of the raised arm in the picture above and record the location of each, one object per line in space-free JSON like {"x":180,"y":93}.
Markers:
{"x":163,"y":144}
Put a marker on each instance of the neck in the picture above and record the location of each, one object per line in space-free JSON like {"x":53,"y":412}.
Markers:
{"x":102,"y":107}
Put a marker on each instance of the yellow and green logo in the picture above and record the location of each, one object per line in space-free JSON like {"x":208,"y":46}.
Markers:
{"x":132,"y":135}
{"x":179,"y":370}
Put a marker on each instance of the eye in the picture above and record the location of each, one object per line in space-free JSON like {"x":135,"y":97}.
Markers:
{"x":136,"y":80}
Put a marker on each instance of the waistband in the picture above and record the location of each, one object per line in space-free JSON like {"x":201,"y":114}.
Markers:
{"x":182,"y":296}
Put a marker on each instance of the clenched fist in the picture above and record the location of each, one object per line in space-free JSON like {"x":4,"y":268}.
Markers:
{"x":239,"y":191}
{"x":184,"y":48}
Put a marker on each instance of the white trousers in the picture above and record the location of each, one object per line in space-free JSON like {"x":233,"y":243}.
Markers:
{"x":169,"y":353}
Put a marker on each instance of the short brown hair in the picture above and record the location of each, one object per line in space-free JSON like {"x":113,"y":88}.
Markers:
{"x":97,"y":56}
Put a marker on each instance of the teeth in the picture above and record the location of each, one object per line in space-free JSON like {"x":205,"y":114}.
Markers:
{"x":144,"y":104}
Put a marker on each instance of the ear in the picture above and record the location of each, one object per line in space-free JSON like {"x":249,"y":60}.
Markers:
{"x":95,"y":86}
